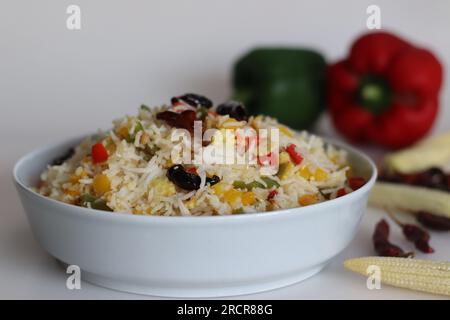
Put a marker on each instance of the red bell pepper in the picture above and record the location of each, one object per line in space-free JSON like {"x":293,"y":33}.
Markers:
{"x":99,"y":153}
{"x":296,"y":157}
{"x":341,"y":192}
{"x":356,"y":182}
{"x":385,"y":92}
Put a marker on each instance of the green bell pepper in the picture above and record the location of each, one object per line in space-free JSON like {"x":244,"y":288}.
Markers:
{"x":286,"y":83}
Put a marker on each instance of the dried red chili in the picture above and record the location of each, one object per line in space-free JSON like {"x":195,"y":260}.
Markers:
{"x":433,"y":178}
{"x":419,"y":236}
{"x":415,"y":234}
{"x":381,"y":242}
{"x":433,"y":221}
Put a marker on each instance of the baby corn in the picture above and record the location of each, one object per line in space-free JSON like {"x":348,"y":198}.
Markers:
{"x":434,"y":151}
{"x":410,"y":198}
{"x":419,"y":275}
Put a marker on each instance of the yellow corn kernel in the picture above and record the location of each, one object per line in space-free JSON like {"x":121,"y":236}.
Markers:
{"x":168,"y":164}
{"x":123,"y":131}
{"x":218,"y":189}
{"x":138,"y":212}
{"x":254,"y":121}
{"x":101,"y":184}
{"x":163,"y":187}
{"x":110,"y":145}
{"x":420,"y":275}
{"x":232,"y":123}
{"x":231,"y":196}
{"x":190,"y":204}
{"x":79,"y":173}
{"x":284,"y":157}
{"x":72,"y":192}
{"x":248,"y":198}
{"x":74,"y":178}
{"x":287,"y":132}
{"x":307,"y":199}
{"x":305,"y":173}
{"x":285,"y":170}
{"x":320,"y":175}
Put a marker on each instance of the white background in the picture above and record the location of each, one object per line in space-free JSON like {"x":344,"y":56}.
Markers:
{"x":56,"y":83}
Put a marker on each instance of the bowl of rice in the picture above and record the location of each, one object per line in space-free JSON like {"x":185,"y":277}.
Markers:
{"x":194,"y":200}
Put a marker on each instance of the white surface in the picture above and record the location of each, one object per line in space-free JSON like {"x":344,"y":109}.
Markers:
{"x":56,"y":83}
{"x":192,"y":257}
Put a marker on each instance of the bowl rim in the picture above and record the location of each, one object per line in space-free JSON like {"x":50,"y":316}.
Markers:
{"x":124,"y":216}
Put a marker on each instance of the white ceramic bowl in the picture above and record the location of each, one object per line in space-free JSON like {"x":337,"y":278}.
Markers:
{"x":191,"y":256}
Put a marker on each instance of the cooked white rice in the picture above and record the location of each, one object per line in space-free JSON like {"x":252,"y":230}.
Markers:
{"x":134,"y":179}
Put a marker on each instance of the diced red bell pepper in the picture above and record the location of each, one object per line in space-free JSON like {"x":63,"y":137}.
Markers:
{"x":99,"y":153}
{"x":356,"y":182}
{"x":272,"y":195}
{"x":341,"y":192}
{"x":295,"y":156}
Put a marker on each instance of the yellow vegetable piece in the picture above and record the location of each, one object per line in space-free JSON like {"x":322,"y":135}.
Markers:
{"x":190,"y":204}
{"x":74,"y":178}
{"x":287,"y":132}
{"x":285,"y":170}
{"x":218,"y":189}
{"x":101,"y":184}
{"x":307,"y":199}
{"x":79,"y":173}
{"x":304,"y":173}
{"x":420,"y":275}
{"x":248,"y":198}
{"x":110,"y":145}
{"x":284,"y":157}
{"x":123,"y":131}
{"x":232,"y":123}
{"x":320,"y":175}
{"x":231,"y":196}
{"x":72,"y":192}
{"x":163,"y":187}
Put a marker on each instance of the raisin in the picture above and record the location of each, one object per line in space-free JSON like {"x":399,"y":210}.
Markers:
{"x":234,"y":109}
{"x":184,"y":120}
{"x":186,"y":180}
{"x":192,"y":99}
